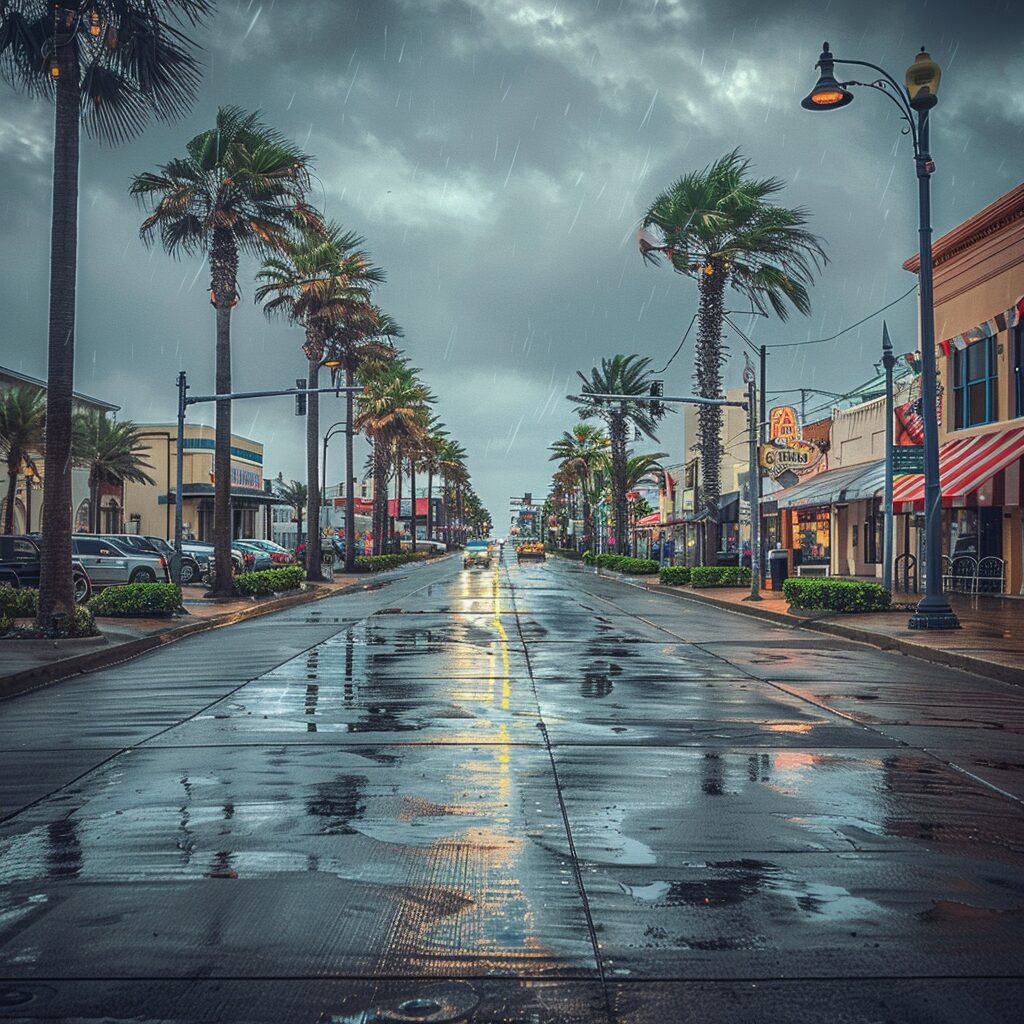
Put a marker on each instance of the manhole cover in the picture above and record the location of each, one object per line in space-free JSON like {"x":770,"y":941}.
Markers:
{"x":432,"y":1004}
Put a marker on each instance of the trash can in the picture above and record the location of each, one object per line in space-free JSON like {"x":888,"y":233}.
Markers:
{"x":778,"y":562}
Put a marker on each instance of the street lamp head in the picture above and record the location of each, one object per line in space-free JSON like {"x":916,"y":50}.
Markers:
{"x":923,"y":81}
{"x":827,"y":93}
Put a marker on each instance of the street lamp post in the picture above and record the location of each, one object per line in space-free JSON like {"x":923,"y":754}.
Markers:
{"x":888,"y":362}
{"x":915,"y":103}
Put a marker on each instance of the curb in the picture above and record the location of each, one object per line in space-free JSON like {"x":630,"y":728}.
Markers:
{"x":949,"y":659}
{"x":45,"y":675}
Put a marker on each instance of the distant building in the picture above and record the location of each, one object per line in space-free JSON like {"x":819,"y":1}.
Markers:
{"x":150,"y":508}
{"x":28,"y":502}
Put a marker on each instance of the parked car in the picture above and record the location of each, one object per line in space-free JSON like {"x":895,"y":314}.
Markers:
{"x":190,"y":570}
{"x":19,"y":566}
{"x":280,"y":555}
{"x":202,"y":552}
{"x":260,"y":559}
{"x":109,"y":564}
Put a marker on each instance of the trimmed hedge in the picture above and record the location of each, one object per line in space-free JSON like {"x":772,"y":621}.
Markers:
{"x":719,"y":576}
{"x":270,"y":581}
{"x":378,"y":563}
{"x":79,"y":623}
{"x":136,"y":599}
{"x":836,"y":595}
{"x":625,"y":563}
{"x":18,"y":602}
{"x":674,"y":575}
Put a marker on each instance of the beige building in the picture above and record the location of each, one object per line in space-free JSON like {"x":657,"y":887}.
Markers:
{"x":979,"y":327}
{"x":28,"y":500}
{"x":150,"y":509}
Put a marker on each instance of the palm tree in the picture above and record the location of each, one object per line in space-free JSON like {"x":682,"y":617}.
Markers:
{"x":111,"y":451}
{"x":620,"y":375}
{"x":238,"y":189}
{"x":365,"y":336}
{"x":109,"y":65}
{"x":22,"y":426}
{"x":452,"y":464}
{"x":579,"y":452}
{"x":295,"y":495}
{"x":318,"y":278}
{"x":428,"y":460}
{"x":389,"y":409}
{"x":719,"y":227}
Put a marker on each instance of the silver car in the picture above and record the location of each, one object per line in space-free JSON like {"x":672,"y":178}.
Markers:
{"x":108,"y":564}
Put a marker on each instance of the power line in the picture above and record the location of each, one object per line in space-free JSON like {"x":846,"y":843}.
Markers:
{"x":679,"y":348}
{"x":820,"y":341}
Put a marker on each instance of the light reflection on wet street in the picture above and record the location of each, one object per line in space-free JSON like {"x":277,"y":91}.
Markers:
{"x":517,"y":794}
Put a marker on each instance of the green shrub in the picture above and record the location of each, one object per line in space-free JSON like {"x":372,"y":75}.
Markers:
{"x":269,"y":581}
{"x":78,"y":624}
{"x":719,"y":576}
{"x":588,"y":557}
{"x":379,"y":563}
{"x":816,"y":594}
{"x":674,"y":575}
{"x":625,"y":563}
{"x":18,"y":602}
{"x":5,"y":622}
{"x":137,"y":599}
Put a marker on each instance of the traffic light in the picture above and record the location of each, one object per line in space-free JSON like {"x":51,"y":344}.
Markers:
{"x":527,"y":498}
{"x":657,"y":390}
{"x":300,"y":400}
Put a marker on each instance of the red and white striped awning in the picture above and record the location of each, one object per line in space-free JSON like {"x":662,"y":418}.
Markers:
{"x":965,"y":465}
{"x":652,"y":520}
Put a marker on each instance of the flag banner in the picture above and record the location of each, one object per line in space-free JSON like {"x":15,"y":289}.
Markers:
{"x":1000,"y":322}
{"x":909,"y":424}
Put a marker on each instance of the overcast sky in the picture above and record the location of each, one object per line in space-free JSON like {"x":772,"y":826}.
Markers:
{"x":498,"y":155}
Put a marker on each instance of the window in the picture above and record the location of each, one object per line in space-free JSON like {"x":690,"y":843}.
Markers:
{"x":1018,"y":368}
{"x":812,"y":535}
{"x":974,"y":384}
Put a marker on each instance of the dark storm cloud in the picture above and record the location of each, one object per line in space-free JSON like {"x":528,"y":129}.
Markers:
{"x":497,"y":155}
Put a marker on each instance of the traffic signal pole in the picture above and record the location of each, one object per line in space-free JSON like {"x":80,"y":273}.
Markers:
{"x":184,"y":401}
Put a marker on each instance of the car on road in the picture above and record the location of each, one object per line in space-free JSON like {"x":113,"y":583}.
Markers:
{"x":278,"y":554}
{"x":477,"y":552}
{"x":190,"y":568}
{"x":109,"y":564}
{"x":19,"y":566}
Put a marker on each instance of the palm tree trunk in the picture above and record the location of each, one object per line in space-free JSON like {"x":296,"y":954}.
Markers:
{"x":94,"y":505}
{"x":298,"y":526}
{"x":313,"y":570}
{"x":56,"y":592}
{"x":708,"y":376}
{"x":350,"y":483}
{"x":430,"y":504}
{"x":12,"y":490}
{"x":617,"y":434}
{"x":398,"y":497}
{"x":224,"y":266}
{"x":412,"y":496}
{"x":380,"y":493}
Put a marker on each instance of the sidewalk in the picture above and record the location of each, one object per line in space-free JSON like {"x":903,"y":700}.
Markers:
{"x":991,"y":642}
{"x":29,"y":664}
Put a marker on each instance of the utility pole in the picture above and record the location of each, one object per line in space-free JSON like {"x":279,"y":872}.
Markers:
{"x":753,"y":485}
{"x":888,"y":361}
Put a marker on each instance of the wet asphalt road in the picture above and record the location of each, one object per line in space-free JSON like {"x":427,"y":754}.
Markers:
{"x":520,"y":795}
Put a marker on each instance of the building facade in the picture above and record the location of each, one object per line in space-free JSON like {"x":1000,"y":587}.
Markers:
{"x":28,"y":500}
{"x":149,"y":509}
{"x":979,"y":321}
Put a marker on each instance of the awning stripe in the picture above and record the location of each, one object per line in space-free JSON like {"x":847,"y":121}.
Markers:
{"x":965,"y":464}
{"x":650,"y":520}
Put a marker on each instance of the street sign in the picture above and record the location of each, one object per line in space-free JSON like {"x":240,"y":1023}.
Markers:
{"x":907,"y":459}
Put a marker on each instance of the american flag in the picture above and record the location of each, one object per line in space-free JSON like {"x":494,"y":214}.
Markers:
{"x":908,"y":418}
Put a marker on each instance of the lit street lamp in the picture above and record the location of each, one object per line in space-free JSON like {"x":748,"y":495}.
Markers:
{"x":915,"y":102}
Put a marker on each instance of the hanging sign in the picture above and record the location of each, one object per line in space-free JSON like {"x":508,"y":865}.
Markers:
{"x":907,"y":459}
{"x":786,"y":450}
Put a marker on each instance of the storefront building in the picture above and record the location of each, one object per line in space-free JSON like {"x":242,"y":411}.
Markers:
{"x":149,"y":509}
{"x":979,"y":317}
{"x":28,"y":495}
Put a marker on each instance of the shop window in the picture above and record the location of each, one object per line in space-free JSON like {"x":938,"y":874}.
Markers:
{"x":974,"y":384}
{"x":812,"y":535}
{"x":1018,"y":368}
